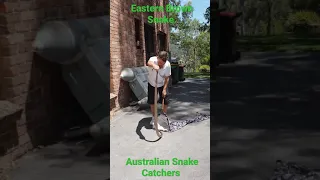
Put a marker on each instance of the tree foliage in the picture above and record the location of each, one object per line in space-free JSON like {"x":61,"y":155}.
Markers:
{"x":188,"y":40}
{"x":267,"y":17}
{"x":206,"y":26}
{"x":302,"y":21}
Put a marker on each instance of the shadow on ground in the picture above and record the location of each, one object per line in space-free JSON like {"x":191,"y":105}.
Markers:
{"x":187,"y":98}
{"x":280,"y":43}
{"x":269,"y":92}
{"x":265,"y":107}
{"x":133,"y":126}
{"x":63,"y":159}
{"x":143,"y":123}
{"x":191,"y":90}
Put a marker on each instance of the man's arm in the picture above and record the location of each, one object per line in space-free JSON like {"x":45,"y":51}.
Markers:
{"x":166,"y":82}
{"x":150,"y":63}
{"x":166,"y":79}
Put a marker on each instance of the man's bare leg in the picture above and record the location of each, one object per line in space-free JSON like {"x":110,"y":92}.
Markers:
{"x":165,"y":107}
{"x":153,"y":115}
{"x":152,"y":109}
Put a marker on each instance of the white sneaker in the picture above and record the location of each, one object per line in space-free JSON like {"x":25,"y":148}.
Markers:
{"x":160,"y":128}
{"x":152,"y":121}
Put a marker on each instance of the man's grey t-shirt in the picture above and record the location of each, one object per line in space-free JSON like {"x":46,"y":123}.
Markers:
{"x":163,"y":72}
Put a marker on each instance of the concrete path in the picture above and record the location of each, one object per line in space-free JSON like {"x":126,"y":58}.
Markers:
{"x":69,"y":160}
{"x":265,"y":108}
{"x":130,"y":129}
{"x":62,"y":161}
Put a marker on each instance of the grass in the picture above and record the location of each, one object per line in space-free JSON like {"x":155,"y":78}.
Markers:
{"x":280,"y":43}
{"x":197,"y":75}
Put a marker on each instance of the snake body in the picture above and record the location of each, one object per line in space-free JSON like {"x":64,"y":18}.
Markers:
{"x":159,"y":134}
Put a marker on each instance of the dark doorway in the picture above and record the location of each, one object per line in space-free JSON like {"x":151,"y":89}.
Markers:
{"x":162,"y":41}
{"x":149,"y":41}
{"x":137,"y":26}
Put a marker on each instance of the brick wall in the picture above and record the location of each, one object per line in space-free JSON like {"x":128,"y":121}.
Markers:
{"x":123,"y":50}
{"x":29,"y":81}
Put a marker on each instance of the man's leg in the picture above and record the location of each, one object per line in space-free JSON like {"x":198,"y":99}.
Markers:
{"x":160,"y":127}
{"x":166,"y":100}
{"x":165,"y":107}
{"x":151,"y":103}
{"x":152,"y":109}
{"x":151,"y":99}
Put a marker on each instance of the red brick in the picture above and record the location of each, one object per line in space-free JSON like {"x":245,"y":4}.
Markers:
{"x":9,"y":18}
{"x":12,"y":6}
{"x":25,"y":47}
{"x":28,"y":146}
{"x":12,"y":39}
{"x":30,"y":36}
{"x":25,"y":18}
{"x":11,"y":149}
{"x":14,"y":91}
{"x":22,"y":26}
{"x":22,"y":130}
{"x":25,"y":138}
{"x":15,"y":80}
{"x":122,"y":44}
{"x":26,"y":5}
{"x":29,"y":15}
{"x":8,"y":61}
{"x":9,"y":50}
{"x":33,"y":24}
{"x":20,"y":151}
{"x":7,"y":29}
{"x":20,"y":100}
{"x":22,"y":120}
{"x":17,"y":69}
{"x":5,"y":163}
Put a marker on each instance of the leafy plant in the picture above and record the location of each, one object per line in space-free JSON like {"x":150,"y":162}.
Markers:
{"x":302,"y":21}
{"x":204,"y":68}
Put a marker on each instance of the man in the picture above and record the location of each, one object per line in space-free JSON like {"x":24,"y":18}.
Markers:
{"x":162,"y":66}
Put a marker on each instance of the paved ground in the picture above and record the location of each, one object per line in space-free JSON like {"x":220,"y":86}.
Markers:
{"x":265,"y":107}
{"x":69,"y":160}
{"x":130,"y":128}
{"x":63,"y":161}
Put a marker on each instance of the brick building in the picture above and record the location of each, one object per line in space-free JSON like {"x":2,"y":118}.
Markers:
{"x":132,"y":41}
{"x":32,"y":84}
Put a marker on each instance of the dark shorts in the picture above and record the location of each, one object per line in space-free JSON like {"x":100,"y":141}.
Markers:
{"x":151,"y":95}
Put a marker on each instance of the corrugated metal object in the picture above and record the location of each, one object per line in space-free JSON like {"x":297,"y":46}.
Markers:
{"x":88,"y":79}
{"x":138,"y":80}
{"x":82,"y":47}
{"x":59,"y":41}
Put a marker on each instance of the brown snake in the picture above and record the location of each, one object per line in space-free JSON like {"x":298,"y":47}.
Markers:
{"x":156,"y":107}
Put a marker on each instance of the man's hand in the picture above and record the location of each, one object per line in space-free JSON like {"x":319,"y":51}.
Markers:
{"x":155,"y":67}
{"x":164,"y":93}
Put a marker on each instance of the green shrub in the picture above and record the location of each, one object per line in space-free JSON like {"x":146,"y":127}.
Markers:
{"x":302,"y":21}
{"x":205,"y":60}
{"x":204,"y":68}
